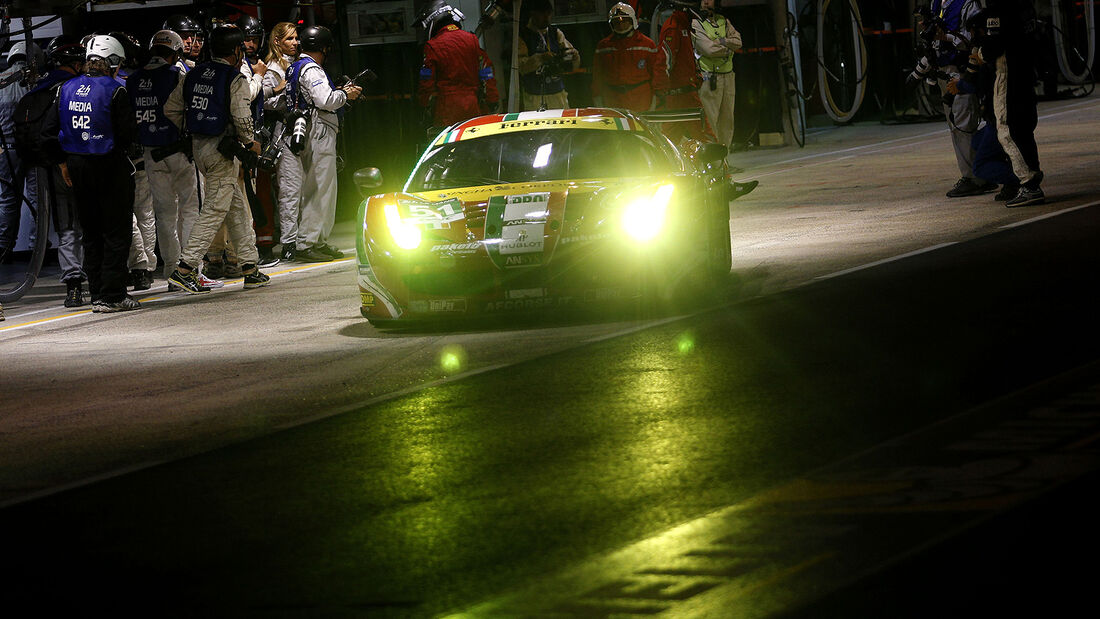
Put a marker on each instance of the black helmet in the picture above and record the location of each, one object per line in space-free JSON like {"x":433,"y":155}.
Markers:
{"x":135,"y":53}
{"x":315,"y":39}
{"x":180,"y":24}
{"x":225,"y":40}
{"x":437,"y":14}
{"x":65,"y":49}
{"x":251,"y":27}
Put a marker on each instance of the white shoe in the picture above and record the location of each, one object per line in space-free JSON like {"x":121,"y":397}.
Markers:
{"x":210,"y":283}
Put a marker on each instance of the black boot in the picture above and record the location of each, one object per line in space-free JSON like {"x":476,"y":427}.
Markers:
{"x":74,"y":293}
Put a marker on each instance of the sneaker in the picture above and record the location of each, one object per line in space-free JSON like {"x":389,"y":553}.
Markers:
{"x":1027,"y":197}
{"x":267,"y":259}
{"x":126,"y":304}
{"x":74,"y":296}
{"x":970,"y":187}
{"x":288,"y":252}
{"x":188,"y":282}
{"x":311,"y":254}
{"x":255,"y":279}
{"x":140,"y":280}
{"x":1007,"y":193}
{"x":330,"y":251}
{"x":210,"y":283}
{"x":214,"y":269}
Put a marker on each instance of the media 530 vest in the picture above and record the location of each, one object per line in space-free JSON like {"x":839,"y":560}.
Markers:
{"x":206,"y":96}
{"x":541,"y":83}
{"x":715,"y":31}
{"x":149,"y":89}
{"x":85,"y":109}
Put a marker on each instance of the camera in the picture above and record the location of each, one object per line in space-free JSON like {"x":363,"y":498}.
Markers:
{"x":270,"y":152}
{"x":230,"y":147}
{"x":182,"y":145}
{"x":298,"y":123}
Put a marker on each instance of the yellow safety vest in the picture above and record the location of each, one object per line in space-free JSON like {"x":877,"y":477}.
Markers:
{"x":715,"y":31}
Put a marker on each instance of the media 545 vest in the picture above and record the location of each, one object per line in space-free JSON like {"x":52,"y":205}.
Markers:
{"x":84,"y":106}
{"x":206,"y":97}
{"x":149,"y":89}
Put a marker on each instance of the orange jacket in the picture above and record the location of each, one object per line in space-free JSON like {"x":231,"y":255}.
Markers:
{"x":627,"y":70}
{"x":676,"y":41}
{"x":455,"y":71}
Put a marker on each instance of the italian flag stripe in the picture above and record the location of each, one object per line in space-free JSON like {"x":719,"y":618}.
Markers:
{"x":513,"y":116}
{"x":623,"y":123}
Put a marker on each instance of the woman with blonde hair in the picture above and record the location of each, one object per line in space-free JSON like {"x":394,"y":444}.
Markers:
{"x":282,"y":51}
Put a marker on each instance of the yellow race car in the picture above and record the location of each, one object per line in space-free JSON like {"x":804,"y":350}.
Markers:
{"x":537,"y":210}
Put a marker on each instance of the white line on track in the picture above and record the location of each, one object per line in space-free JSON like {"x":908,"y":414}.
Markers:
{"x":1025,"y":222}
{"x":886,"y":260}
{"x":153,"y":298}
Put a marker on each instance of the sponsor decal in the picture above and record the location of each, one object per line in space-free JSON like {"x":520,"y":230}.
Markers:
{"x":437,"y":305}
{"x":367,"y":299}
{"x":525,"y":293}
{"x":513,"y":305}
{"x":583,"y":238}
{"x":528,"y":121}
{"x":515,"y":229}
{"x":456,"y":248}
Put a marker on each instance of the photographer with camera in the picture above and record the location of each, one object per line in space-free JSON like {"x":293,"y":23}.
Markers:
{"x":1002,"y":50}
{"x":946,"y":46}
{"x":167,"y":154}
{"x":214,"y":105}
{"x":313,"y":103}
{"x":13,"y":171}
{"x":544,"y":54}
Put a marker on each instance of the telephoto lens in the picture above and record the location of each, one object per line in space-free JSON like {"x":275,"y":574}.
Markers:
{"x":298,"y":122}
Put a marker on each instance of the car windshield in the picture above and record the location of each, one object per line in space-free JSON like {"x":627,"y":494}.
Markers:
{"x":540,"y":155}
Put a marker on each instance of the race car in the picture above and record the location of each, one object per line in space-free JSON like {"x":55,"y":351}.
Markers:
{"x":543,"y":210}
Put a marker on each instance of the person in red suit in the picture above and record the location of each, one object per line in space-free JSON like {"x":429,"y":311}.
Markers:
{"x":683,"y":74}
{"x":456,"y":80}
{"x":629,"y":67}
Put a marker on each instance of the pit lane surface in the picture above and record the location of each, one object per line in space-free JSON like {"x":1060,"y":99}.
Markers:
{"x":462,"y":495}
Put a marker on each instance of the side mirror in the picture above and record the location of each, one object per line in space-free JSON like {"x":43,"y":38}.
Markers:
{"x":711,"y":151}
{"x":367,"y":179}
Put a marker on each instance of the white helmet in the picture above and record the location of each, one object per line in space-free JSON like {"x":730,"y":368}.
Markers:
{"x":622,"y":9}
{"x":106,"y":47}
{"x":19,"y":48}
{"x":169,"y":39}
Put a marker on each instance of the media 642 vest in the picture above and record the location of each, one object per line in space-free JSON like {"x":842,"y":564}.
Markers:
{"x":84,"y":106}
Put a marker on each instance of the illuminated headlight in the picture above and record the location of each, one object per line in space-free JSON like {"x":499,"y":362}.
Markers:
{"x":644,"y":216}
{"x":405,"y":234}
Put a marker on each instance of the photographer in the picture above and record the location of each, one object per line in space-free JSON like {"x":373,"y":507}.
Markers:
{"x":1002,"y":44}
{"x":544,"y":54}
{"x":947,"y":46}
{"x":167,"y":154}
{"x":310,"y":91}
{"x":214,"y":105}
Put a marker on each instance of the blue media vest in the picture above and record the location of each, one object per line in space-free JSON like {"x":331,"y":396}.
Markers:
{"x":84,"y":106}
{"x":149,"y":90}
{"x":206,"y":97}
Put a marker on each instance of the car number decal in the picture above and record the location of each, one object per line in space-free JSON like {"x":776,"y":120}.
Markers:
{"x":432,"y":214}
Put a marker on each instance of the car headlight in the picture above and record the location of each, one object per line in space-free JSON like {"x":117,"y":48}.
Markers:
{"x":406,"y":235}
{"x":644,"y":216}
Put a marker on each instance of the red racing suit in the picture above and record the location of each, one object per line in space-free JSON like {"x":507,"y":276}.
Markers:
{"x":456,"y":74}
{"x":627,"y":70}
{"x":683,"y":76}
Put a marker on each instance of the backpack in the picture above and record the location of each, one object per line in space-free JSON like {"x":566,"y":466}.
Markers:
{"x":28,"y":117}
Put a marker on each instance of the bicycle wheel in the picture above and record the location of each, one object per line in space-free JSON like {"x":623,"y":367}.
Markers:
{"x":15,"y":279}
